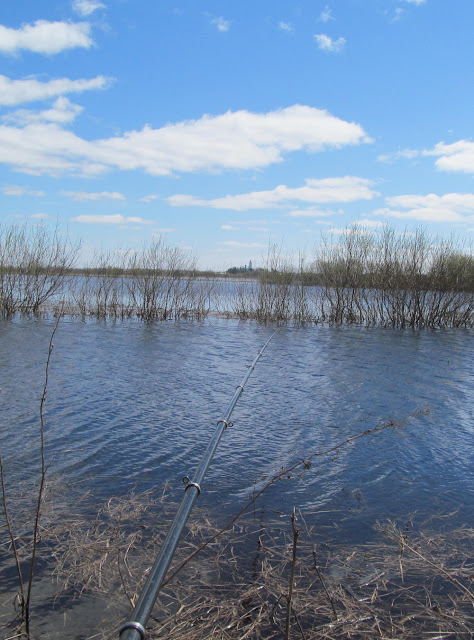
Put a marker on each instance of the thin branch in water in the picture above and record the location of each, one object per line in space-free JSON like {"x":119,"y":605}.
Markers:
{"x":12,"y":538}
{"x":42,"y":479}
{"x":296,"y":533}
{"x":391,"y":424}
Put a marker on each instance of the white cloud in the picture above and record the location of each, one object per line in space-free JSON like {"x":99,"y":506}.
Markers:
{"x":344,"y":231}
{"x":110,"y":219}
{"x":234,"y":140}
{"x":398,"y":13}
{"x":14,"y":190}
{"x":246,"y":245}
{"x":13,"y":92}
{"x":409,"y":154}
{"x":86,"y":7}
{"x":451,"y":207}
{"x":346,"y":189}
{"x":286,"y":26}
{"x":229,"y":227}
{"x":460,"y":201}
{"x":221,"y":24}
{"x":311,"y":213}
{"x":326,"y":43}
{"x":45,"y":37}
{"x":256,"y":222}
{"x":326,"y":14}
{"x":149,"y":198}
{"x":62,"y":112}
{"x":82,"y":196}
{"x":371,"y":224}
{"x":40,"y":216}
{"x":458,"y":156}
{"x":415,"y":1}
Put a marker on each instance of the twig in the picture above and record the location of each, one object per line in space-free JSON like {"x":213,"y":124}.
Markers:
{"x":42,"y":480}
{"x":296,"y":533}
{"x":12,"y":537}
{"x":440,"y":569}
{"x":392,"y":424}
{"x":320,"y":576}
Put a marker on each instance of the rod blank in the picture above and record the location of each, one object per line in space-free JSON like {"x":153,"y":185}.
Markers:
{"x":134,"y":629}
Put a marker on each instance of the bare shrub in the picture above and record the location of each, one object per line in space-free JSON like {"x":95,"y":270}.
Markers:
{"x":406,"y":280}
{"x":160,"y":282}
{"x":34,"y":264}
{"x":100,"y":290}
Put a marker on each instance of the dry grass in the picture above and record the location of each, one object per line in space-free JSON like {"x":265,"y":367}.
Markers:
{"x":254,"y":577}
{"x":413,"y":583}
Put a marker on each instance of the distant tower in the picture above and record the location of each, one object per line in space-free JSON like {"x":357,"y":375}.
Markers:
{"x":250,"y":265}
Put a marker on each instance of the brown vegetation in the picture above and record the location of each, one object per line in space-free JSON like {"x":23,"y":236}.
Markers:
{"x":33,"y":267}
{"x":411,"y":583}
{"x":374,"y":279}
{"x":254,"y":577}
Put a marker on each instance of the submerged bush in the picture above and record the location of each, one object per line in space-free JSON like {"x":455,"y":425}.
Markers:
{"x":371,"y":278}
{"x":34,"y":264}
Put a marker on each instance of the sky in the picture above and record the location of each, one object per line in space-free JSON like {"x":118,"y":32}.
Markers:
{"x":225,"y":126}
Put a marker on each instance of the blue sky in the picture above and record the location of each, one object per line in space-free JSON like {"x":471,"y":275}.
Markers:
{"x":225,"y":125}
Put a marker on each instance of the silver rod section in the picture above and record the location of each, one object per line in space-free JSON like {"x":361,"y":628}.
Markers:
{"x":134,"y":629}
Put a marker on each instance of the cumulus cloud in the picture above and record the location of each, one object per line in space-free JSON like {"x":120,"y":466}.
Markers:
{"x":234,"y":140}
{"x":149,"y":198}
{"x":458,"y":156}
{"x":451,"y":207}
{"x":346,"y":189}
{"x":221,"y":24}
{"x":86,"y":7}
{"x":415,"y":1}
{"x":82,"y":196}
{"x":13,"y":92}
{"x":45,"y":37}
{"x":110,"y":219}
{"x":62,"y":111}
{"x":229,"y":227}
{"x":326,"y":43}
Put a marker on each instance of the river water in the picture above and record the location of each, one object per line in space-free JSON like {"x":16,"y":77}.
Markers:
{"x":133,"y":405}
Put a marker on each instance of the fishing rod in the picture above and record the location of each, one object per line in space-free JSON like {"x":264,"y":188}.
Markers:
{"x":134,"y":629}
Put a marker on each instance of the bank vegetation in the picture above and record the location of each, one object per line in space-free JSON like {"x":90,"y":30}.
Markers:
{"x":379,"y":278}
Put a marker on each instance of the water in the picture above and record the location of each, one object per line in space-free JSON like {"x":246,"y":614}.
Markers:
{"x":131,"y":404}
{"x":134,"y":405}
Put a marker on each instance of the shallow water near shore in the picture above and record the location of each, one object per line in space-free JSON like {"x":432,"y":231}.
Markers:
{"x":134,"y":405}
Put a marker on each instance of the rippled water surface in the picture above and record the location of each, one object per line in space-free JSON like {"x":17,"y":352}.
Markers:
{"x":130,"y":404}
